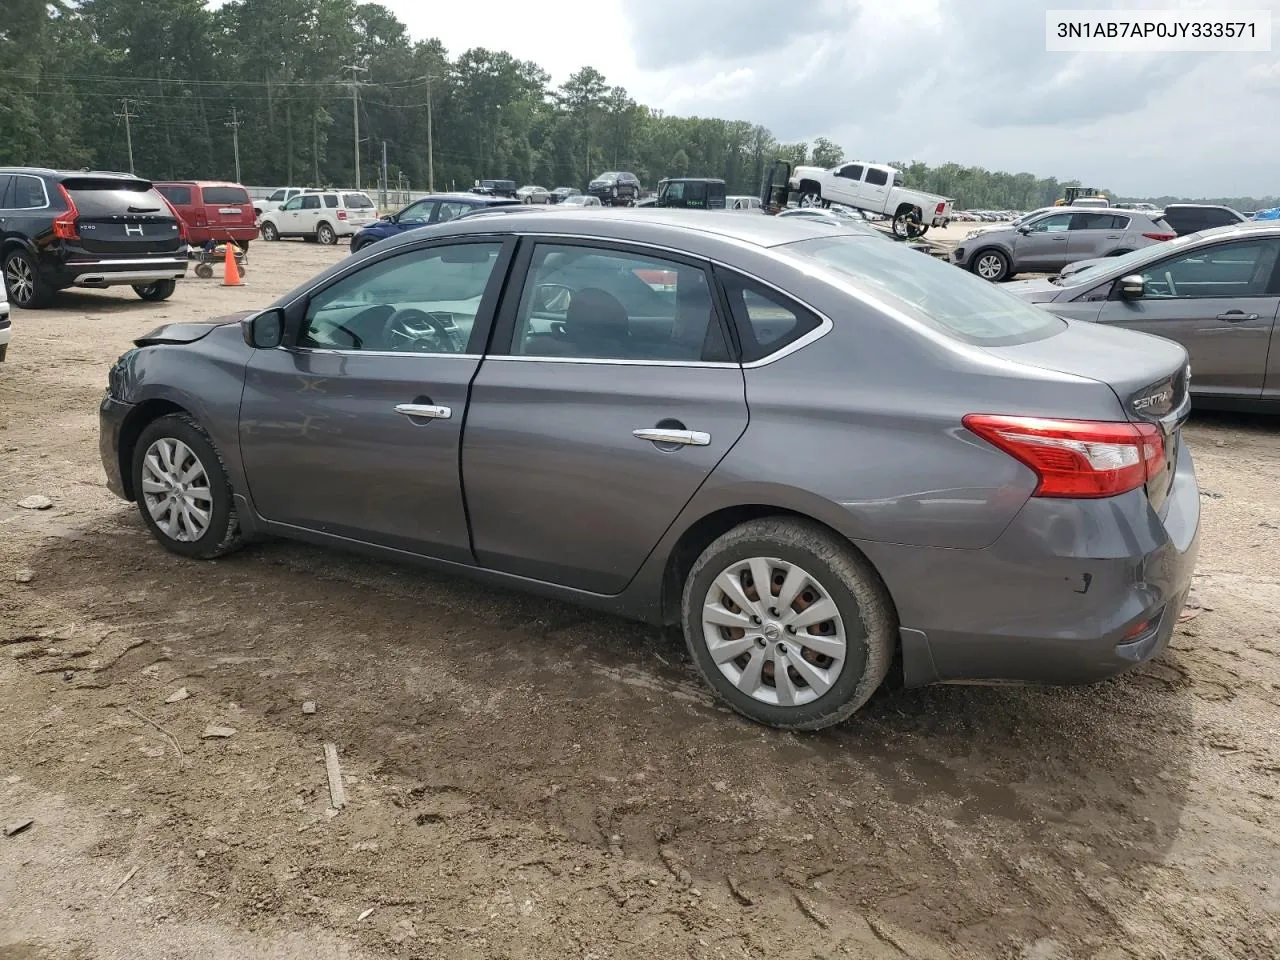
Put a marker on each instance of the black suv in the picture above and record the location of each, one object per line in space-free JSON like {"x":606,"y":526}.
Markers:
{"x":495,"y":188}
{"x":90,"y":230}
{"x":1193,"y":217}
{"x":615,"y":189}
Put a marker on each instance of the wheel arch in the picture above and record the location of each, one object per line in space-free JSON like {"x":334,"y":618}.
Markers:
{"x":809,"y":185}
{"x":17,"y":243}
{"x":906,"y":207}
{"x":139,"y":418}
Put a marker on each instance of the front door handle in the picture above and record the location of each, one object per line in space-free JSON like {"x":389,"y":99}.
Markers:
{"x":693,"y":438}
{"x":424,"y":411}
{"x":1236,"y":316}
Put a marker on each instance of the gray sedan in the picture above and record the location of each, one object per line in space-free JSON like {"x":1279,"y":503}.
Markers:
{"x":830,"y":460}
{"x":1217,"y":293}
{"x":1049,"y":241}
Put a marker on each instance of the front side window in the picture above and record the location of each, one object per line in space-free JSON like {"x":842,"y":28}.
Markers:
{"x":876,"y":177}
{"x":929,"y":290}
{"x":1241,"y":269}
{"x":424,"y":301}
{"x":851,"y":172}
{"x":294,"y":204}
{"x":593,"y":303}
{"x":1058,"y":223}
{"x":419,"y":212}
{"x":674,"y":191}
{"x":310,"y":202}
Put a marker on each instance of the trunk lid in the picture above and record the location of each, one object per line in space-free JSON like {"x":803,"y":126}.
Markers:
{"x":1150,"y":377}
{"x":122,"y":217}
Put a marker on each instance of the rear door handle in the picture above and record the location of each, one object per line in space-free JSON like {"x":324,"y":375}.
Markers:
{"x":424,"y":411}
{"x":1237,"y":316}
{"x":694,"y":438}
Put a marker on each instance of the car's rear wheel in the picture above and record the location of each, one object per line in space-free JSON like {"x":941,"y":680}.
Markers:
{"x":991,"y":265}
{"x":326,"y":235}
{"x":160,"y":290}
{"x":23,"y":281}
{"x":809,"y":648}
{"x":269,"y":231}
{"x":182,"y":490}
{"x":4,"y":351}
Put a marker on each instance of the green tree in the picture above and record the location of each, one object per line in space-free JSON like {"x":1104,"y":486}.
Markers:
{"x":825,"y":153}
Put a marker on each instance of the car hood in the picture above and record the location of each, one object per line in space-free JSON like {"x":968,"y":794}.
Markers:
{"x":189,"y":331}
{"x":1032,"y":291}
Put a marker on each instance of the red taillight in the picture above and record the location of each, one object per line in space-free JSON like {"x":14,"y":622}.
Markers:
{"x":1077,"y":458}
{"x":342,"y":214}
{"x":1159,"y":236}
{"x":939,"y":208}
{"x":64,"y":224}
{"x":183,"y":236}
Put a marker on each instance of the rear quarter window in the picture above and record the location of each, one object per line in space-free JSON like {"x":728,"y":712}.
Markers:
{"x":237,"y":195}
{"x":928,"y":290}
{"x":178,"y":196}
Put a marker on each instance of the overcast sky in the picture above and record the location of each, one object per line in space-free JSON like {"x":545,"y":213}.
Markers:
{"x":932,"y":80}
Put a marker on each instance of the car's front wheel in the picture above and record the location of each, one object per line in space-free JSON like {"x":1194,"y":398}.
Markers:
{"x":182,"y":490}
{"x":27,"y":289}
{"x":160,"y":290}
{"x":788,"y":623}
{"x":991,"y":265}
{"x":269,"y":231}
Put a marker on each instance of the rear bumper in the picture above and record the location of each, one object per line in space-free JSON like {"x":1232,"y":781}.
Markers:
{"x":110,"y":273}
{"x":1059,"y":598}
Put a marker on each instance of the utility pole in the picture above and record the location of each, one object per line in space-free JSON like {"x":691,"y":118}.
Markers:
{"x":126,"y":113}
{"x":431,"y":153}
{"x":235,"y":123}
{"x":383,"y":190}
{"x":355,"y":114}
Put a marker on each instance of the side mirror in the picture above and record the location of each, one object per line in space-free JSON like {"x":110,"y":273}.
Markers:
{"x":552,"y":298}
{"x":1132,"y":287}
{"x":388,"y":217}
{"x":1024,"y":230}
{"x":264,"y":331}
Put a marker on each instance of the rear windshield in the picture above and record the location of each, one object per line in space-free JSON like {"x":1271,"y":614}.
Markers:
{"x":111,"y":198}
{"x":930,"y":290}
{"x":357,"y":201}
{"x":225,"y":194}
{"x":179,"y":196}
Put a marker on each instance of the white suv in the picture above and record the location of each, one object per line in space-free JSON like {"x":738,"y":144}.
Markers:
{"x":6,"y":329}
{"x":280,"y":198}
{"x":324,"y":216}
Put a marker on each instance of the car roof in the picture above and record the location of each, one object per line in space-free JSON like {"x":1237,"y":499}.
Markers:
{"x":650,"y":224}
{"x":65,"y":174}
{"x":198,"y":183}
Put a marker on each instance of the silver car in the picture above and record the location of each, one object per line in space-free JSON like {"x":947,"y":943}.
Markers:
{"x":1048,"y":242}
{"x":830,"y":460}
{"x":1217,"y":293}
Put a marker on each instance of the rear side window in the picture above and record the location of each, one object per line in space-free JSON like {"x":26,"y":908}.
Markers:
{"x":330,"y":201}
{"x":877,"y":177}
{"x":110,"y":198}
{"x":765,"y":320}
{"x":178,"y":196}
{"x":225,"y":194}
{"x":356,"y":201}
{"x":27,"y":193}
{"x":928,"y":290}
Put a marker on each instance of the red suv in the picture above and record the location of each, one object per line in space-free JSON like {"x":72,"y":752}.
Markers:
{"x":212,"y":211}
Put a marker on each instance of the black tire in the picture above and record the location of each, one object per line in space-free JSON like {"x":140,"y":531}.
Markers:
{"x":269,"y":232}
{"x":326,"y":234}
{"x":154,"y":292}
{"x":26,"y":288}
{"x":4,"y":350}
{"x":204,"y":271}
{"x":223,"y":532}
{"x":991,"y":264}
{"x":848,"y":579}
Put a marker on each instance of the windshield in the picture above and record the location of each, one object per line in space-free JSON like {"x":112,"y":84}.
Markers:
{"x":930,"y":290}
{"x":1121,"y":264}
{"x":357,"y":201}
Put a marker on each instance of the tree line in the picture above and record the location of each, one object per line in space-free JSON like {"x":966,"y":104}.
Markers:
{"x":175,"y":84}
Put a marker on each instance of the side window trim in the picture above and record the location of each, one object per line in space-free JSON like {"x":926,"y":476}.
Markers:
{"x":296,"y":309}
{"x":1270,"y":289}
{"x":502,"y":337}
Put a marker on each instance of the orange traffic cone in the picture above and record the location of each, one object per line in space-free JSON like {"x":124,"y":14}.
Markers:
{"x":231,"y":272}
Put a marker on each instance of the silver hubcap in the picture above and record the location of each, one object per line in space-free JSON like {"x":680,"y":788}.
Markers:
{"x":175,"y":488}
{"x":990,"y":267}
{"x":326,"y":235}
{"x":21,"y":281}
{"x":774,"y":632}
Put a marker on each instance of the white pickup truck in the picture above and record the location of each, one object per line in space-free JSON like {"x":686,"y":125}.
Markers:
{"x":876,"y":188}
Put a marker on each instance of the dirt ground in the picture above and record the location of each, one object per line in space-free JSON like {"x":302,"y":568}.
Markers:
{"x":529,"y":780}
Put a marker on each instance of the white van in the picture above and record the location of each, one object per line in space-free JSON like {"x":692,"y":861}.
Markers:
{"x":323,"y":216}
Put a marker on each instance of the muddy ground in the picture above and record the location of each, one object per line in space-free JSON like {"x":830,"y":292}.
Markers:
{"x":529,"y":780}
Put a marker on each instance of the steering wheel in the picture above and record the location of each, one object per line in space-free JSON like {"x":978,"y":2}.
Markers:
{"x":409,"y":329}
{"x":1168,"y":278}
